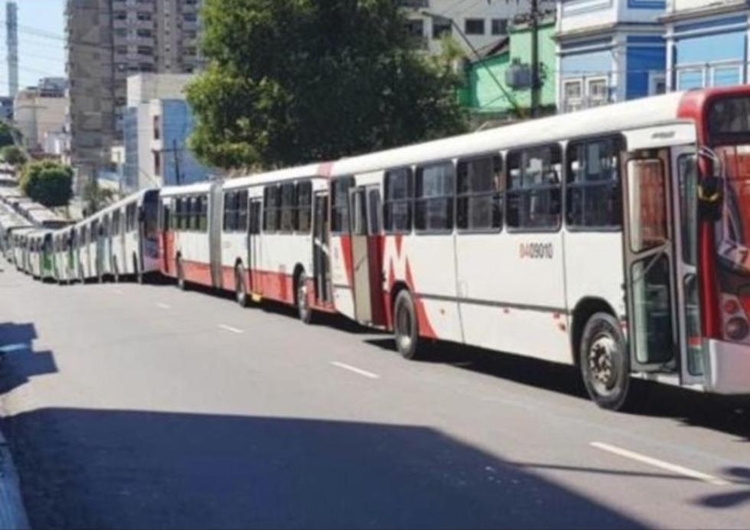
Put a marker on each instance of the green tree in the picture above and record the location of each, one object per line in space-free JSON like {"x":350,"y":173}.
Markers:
{"x":291,"y":81}
{"x":6,"y":134}
{"x":95,"y":197}
{"x":48,"y":183}
{"x":13,"y":155}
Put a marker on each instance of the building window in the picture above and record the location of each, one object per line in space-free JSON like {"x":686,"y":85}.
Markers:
{"x":144,"y":33}
{"x":572,"y":95}
{"x":597,"y":92}
{"x":690,"y":78}
{"x":157,"y":163}
{"x":121,"y":50}
{"x":144,"y":16}
{"x":190,"y":17}
{"x":726,"y":75}
{"x":474,"y":26}
{"x":157,"y":127}
{"x":441,"y":27}
{"x":499,"y":26}
{"x":121,"y":15}
{"x":657,"y":83}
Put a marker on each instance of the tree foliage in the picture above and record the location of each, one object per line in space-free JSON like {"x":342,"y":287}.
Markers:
{"x":291,"y":81}
{"x":6,"y":135}
{"x":96,"y":197}
{"x":48,"y":183}
{"x":13,"y":155}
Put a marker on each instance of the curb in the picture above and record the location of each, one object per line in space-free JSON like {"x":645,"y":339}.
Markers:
{"x":12,"y":512}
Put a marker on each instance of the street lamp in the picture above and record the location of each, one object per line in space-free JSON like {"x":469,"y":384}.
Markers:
{"x":511,"y":99}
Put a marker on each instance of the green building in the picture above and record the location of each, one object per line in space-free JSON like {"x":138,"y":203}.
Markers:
{"x":482,"y":96}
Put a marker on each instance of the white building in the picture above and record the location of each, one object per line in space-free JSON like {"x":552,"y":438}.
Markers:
{"x":36,"y":116}
{"x":143,"y":88}
{"x":480,"y":22}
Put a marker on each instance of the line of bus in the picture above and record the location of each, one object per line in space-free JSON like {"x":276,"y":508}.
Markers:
{"x":614,"y":239}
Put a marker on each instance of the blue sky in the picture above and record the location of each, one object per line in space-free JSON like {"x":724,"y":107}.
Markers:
{"x":41,"y":36}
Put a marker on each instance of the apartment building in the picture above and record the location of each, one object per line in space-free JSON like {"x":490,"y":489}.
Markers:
{"x":39,"y":113}
{"x":109,"y":40}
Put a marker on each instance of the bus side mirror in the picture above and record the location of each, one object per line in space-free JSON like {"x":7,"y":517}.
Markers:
{"x":710,"y":198}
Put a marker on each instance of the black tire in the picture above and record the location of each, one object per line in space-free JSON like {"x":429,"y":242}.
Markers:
{"x":137,"y":271}
{"x":406,"y":326}
{"x":304,"y":311}
{"x":605,"y":363}
{"x":181,"y":283}
{"x":240,"y":288}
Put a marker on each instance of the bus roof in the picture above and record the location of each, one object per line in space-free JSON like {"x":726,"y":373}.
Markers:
{"x":188,"y":189}
{"x":601,"y":120}
{"x":291,"y":173}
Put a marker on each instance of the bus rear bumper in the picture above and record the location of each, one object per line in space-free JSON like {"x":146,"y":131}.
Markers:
{"x":729,"y":368}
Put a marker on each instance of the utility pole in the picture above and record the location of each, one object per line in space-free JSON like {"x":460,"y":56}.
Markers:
{"x":535,"y":84}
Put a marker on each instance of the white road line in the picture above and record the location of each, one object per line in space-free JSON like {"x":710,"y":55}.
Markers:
{"x":661,"y":464}
{"x":163,"y":306}
{"x":355,"y":370}
{"x":230,"y":328}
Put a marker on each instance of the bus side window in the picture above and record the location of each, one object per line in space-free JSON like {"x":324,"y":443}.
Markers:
{"x":593,"y":195}
{"x":434,"y":197}
{"x":398,"y":203}
{"x":242,"y":211}
{"x":479,"y":204}
{"x":534,"y":188}
{"x":303,"y":215}
{"x":271,"y":209}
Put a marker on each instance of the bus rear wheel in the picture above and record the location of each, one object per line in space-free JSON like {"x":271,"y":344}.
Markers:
{"x":406,"y":326}
{"x":304,"y":310}
{"x":180,"y":275}
{"x":240,"y":288}
{"x":605,"y":363}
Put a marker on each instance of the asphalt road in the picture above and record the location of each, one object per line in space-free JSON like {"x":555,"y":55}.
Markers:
{"x":145,"y":407}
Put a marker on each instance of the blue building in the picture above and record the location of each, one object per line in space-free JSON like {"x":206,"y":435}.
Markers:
{"x":609,"y":50}
{"x":155,"y":139}
{"x":707,"y":43}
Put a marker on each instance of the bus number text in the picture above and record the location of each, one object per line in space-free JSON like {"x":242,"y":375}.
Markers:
{"x":536,"y":251}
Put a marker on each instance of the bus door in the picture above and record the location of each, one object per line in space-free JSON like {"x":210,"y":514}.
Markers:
{"x":255,"y":222}
{"x":660,"y":269}
{"x":321,"y":248}
{"x":367,"y":266}
{"x":215,"y":207}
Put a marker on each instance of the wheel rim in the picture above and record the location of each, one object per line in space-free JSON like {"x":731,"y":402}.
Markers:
{"x":302,"y":297}
{"x":403,"y":327}
{"x":603,"y":370}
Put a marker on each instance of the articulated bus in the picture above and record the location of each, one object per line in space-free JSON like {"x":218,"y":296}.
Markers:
{"x":614,"y":239}
{"x":41,"y":256}
{"x":253,"y":236}
{"x":120,"y":240}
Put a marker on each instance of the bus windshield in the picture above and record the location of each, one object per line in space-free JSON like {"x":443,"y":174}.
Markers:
{"x":729,"y":133}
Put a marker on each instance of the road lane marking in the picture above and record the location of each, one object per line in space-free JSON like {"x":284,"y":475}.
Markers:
{"x":163,"y":306}
{"x":674,"y":468}
{"x":355,"y":370}
{"x":230,"y":328}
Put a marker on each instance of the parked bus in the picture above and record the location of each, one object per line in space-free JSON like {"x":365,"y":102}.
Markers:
{"x":273,"y":238}
{"x":41,"y":255}
{"x":575,"y":239}
{"x":120,"y":240}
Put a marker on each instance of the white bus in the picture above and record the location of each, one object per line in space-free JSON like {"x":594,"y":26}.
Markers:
{"x":574,"y":239}
{"x":120,"y":240}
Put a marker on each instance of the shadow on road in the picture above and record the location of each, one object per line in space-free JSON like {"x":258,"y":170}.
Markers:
{"x":690,"y":408}
{"x":16,"y":341}
{"x":130,"y":469}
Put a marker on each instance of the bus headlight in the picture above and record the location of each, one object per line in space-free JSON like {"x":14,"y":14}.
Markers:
{"x":737,"y":328}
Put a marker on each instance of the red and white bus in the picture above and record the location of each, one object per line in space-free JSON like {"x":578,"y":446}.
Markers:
{"x":252,"y":235}
{"x":616,"y":239}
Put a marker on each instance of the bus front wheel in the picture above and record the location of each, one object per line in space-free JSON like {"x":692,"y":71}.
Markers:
{"x":406,"y":326}
{"x":605,"y":364}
